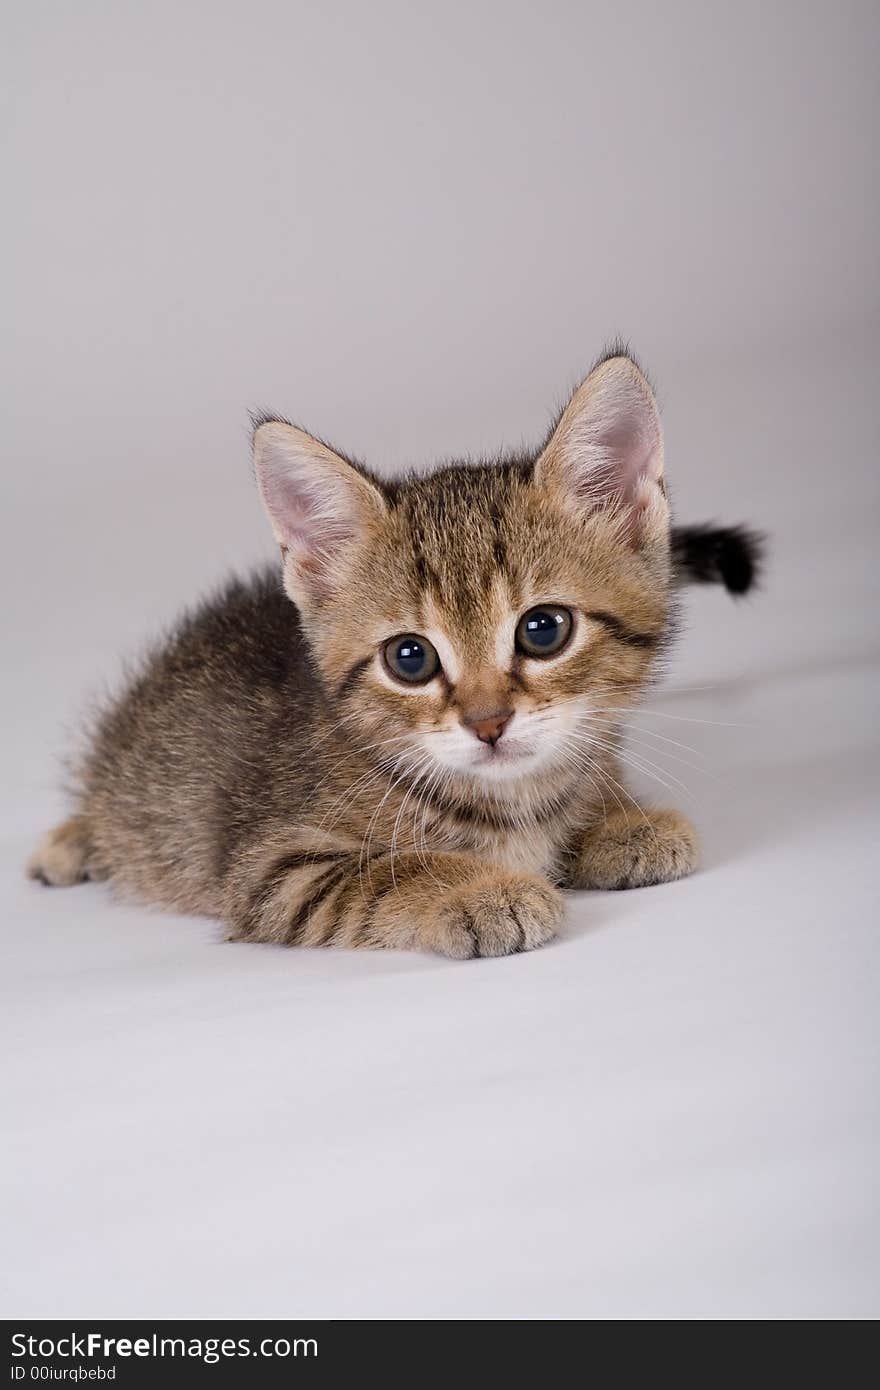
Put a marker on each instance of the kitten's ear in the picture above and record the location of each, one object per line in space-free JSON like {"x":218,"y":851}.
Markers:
{"x":607,"y":451}
{"x":321,"y":508}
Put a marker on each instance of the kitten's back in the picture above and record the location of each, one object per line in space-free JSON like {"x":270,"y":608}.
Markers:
{"x":185,"y":765}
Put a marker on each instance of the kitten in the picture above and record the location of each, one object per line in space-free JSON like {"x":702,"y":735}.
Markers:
{"x":409,"y":738}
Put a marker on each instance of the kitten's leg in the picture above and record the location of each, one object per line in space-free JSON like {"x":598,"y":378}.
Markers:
{"x":454,"y":904}
{"x":632,"y":848}
{"x":66,"y":856}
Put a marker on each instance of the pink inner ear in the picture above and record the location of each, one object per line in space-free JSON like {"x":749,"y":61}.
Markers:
{"x":303,"y":516}
{"x":633,"y":457}
{"x":317,"y":503}
{"x":609,"y":440}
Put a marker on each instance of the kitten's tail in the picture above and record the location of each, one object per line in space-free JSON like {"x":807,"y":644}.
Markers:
{"x":728,"y":555}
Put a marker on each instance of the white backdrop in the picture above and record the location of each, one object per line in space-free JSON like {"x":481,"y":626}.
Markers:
{"x":411,"y":227}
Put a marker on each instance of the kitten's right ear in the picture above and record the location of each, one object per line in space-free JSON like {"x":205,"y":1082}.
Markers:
{"x":320,"y":507}
{"x":607,"y":451}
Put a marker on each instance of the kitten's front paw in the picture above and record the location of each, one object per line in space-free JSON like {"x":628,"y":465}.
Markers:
{"x":496,"y":916}
{"x":631,"y":849}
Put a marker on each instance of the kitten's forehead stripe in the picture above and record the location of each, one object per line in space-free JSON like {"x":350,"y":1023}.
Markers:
{"x":499,"y":549}
{"x":455,"y":524}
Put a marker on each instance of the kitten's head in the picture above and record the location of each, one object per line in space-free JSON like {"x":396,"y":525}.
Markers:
{"x":481,"y":622}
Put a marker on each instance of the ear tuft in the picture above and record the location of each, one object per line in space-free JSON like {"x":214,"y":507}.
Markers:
{"x":321,"y":508}
{"x":607,"y":450}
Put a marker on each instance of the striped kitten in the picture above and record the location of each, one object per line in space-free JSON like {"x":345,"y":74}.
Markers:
{"x":410,"y":738}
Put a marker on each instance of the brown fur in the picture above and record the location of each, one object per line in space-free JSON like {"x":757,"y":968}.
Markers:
{"x":264,"y":768}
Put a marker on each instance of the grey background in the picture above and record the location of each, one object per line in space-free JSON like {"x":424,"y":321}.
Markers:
{"x":411,"y":227}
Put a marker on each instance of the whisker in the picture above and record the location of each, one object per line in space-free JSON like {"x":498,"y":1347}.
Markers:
{"x":621,"y":749}
{"x":423,"y":767}
{"x":626,"y":724}
{"x":368,"y":838}
{"x":692,"y":719}
{"x":639,"y":762}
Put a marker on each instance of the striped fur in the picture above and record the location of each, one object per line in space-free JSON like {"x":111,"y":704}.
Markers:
{"x":264,"y":767}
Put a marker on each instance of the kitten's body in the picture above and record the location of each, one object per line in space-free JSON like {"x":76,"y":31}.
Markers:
{"x":267,"y":767}
{"x":234,"y":695}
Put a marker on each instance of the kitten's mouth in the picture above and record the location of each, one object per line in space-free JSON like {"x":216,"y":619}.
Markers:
{"x":506,"y":760}
{"x":503,"y":754}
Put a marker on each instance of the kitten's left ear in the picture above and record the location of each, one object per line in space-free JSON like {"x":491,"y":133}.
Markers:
{"x":607,"y":451}
{"x":322,"y":509}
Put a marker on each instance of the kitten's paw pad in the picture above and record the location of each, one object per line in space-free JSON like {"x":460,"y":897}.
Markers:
{"x":63,"y":856}
{"x":634,"y":852}
{"x":497,"y":917}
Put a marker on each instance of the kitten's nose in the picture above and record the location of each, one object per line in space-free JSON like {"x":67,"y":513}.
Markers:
{"x":490,"y":728}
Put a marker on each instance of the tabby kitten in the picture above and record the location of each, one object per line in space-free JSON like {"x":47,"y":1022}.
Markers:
{"x":410,"y":739}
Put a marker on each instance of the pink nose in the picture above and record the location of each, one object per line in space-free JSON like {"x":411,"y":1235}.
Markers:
{"x":490,"y":729}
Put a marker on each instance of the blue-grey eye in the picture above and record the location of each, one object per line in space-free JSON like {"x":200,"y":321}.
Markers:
{"x":543,"y":631}
{"x":411,"y":659}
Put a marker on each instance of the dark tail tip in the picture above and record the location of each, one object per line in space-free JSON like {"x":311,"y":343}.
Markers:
{"x":728,"y":555}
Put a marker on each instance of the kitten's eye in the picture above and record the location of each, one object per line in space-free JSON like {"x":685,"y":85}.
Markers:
{"x":411,"y":659}
{"x":543,"y":631}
